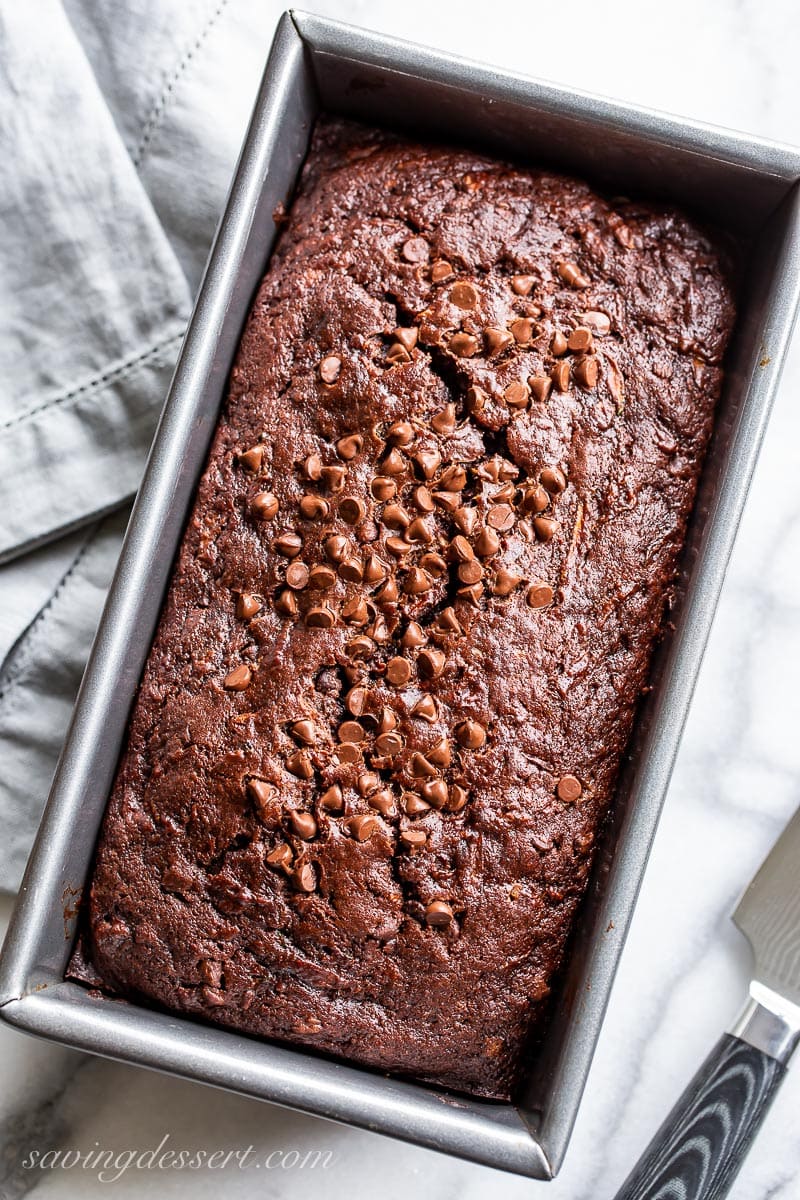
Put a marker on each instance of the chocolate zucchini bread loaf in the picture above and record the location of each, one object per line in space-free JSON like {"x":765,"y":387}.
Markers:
{"x":412,"y":612}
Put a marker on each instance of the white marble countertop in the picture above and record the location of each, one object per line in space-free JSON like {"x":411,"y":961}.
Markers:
{"x":737,"y":779}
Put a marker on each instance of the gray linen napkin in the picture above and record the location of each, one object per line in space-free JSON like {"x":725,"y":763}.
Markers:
{"x":119,"y":125}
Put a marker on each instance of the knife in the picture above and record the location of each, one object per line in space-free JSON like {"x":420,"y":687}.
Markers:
{"x":697,"y":1152}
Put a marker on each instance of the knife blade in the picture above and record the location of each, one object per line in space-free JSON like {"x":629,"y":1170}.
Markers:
{"x":698,"y":1150}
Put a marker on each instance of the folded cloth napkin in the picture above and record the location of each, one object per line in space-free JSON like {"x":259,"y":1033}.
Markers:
{"x":120,"y":121}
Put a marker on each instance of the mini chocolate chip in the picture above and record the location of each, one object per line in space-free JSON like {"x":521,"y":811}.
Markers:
{"x":463,"y":295}
{"x":396,"y":517}
{"x":505,"y":582}
{"x":253,"y":458}
{"x":440,"y":753}
{"x":383,"y":802}
{"x":336,"y":547}
{"x":587,"y":372}
{"x":466,"y":518}
{"x":416,"y":250}
{"x":572,"y":275}
{"x":540,"y":595}
{"x":334,"y":477}
{"x":398,"y":546}
{"x":461,"y":549}
{"x":383,"y":487}
{"x":355,"y":611}
{"x":434,"y":792}
{"x":476,"y":399}
{"x":264,"y":506}
{"x":470,"y":734}
{"x":569,"y":789}
{"x":351,"y":569}
{"x":393,"y":463}
{"x":425,"y":708}
{"x":439,"y":914}
{"x":431,"y":663}
{"x":400,"y":433}
{"x":238,"y":679}
{"x":374,"y":569}
{"x":413,"y":637}
{"x":305,"y":731}
{"x":496,"y":340}
{"x":534,"y":499}
{"x":522,"y":329}
{"x":388,"y":719}
{"x":488,"y":543}
{"x":367,"y":782}
{"x":471,"y":593}
{"x":501,"y":516}
{"x":389,"y":744}
{"x":463,"y":345}
{"x":320,"y":618}
{"x":428,"y":462}
{"x":352,"y":510}
{"x":389,"y":593}
{"x":349,"y":447}
{"x":304,"y":879}
{"x":419,"y":531}
{"x":407,"y":336}
{"x":458,"y":798}
{"x":420,"y":767}
{"x":348,"y":752}
{"x":470,"y":572}
{"x":314,"y":508}
{"x":288,"y":544}
{"x":560,"y":376}
{"x":452,"y":479}
{"x":379,"y":631}
{"x":300,"y":765}
{"x":351,"y":731}
{"x":540,"y":387}
{"x":414,"y":805}
{"x":329,"y":368}
{"x":553,"y":480}
{"x":580,"y":340}
{"x":516,"y":395}
{"x":397,"y":354}
{"x":434,"y":564}
{"x":545,"y":528}
{"x":331,"y":799}
{"x":280,"y":856}
{"x":321,"y":578}
{"x":247,"y":606}
{"x":297,"y":575}
{"x":312,"y":468}
{"x":444,"y":421}
{"x":355,"y":701}
{"x":303,"y":824}
{"x":506,"y":493}
{"x":423,"y":499}
{"x":522,"y":285}
{"x":440,"y":270}
{"x":362,"y":826}
{"x":286,"y":604}
{"x":598,"y":322}
{"x":360,"y":647}
{"x":558,"y":344}
{"x":417,"y":581}
{"x":413,"y":839}
{"x":448,"y":622}
{"x":398,"y":671}
{"x":449,"y":501}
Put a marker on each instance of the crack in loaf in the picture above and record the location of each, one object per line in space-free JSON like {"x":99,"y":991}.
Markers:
{"x":413,"y":610}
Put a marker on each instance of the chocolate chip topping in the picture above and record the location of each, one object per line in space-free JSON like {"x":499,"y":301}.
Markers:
{"x":439,"y":914}
{"x":238,"y":679}
{"x":264,"y":506}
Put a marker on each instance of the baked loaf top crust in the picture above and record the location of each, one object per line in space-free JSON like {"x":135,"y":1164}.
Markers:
{"x":413,"y":610}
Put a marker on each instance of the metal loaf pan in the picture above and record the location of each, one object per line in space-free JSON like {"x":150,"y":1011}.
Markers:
{"x":745,"y":187}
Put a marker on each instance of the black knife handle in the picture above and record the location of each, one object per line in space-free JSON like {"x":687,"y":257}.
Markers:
{"x":700,"y":1147}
